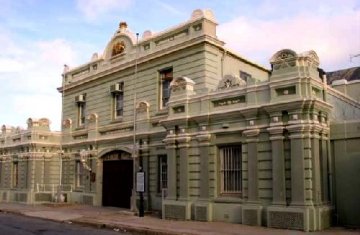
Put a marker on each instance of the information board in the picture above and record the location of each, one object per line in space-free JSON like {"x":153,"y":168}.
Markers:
{"x":140,"y":182}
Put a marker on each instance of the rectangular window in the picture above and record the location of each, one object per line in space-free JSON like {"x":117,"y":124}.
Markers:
{"x":1,"y":171}
{"x":230,"y":169}
{"x":162,"y":172}
{"x":245,"y":76}
{"x":166,"y":76}
{"x":81,"y":114}
{"x":79,"y":171}
{"x":15,"y":178}
{"x":117,"y":91}
{"x":118,"y":105}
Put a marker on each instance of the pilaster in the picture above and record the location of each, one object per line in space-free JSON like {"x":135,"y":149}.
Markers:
{"x":170,"y":143}
{"x":278,"y":161}
{"x":183,"y":140}
{"x":252,"y":210}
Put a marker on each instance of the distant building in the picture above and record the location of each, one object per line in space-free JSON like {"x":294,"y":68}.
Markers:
{"x":29,"y":162}
{"x":219,"y":137}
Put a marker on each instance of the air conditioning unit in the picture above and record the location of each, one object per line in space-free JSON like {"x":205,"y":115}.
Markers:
{"x":80,"y":98}
{"x":116,"y":88}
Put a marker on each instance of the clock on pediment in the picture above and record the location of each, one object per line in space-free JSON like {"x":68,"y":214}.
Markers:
{"x":118,"y":48}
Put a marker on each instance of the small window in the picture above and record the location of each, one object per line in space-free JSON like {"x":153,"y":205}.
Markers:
{"x":230,"y":169}
{"x":15,"y":179}
{"x":162,"y":172}
{"x":166,"y":76}
{"x":81,"y":113}
{"x":79,"y":171}
{"x":245,"y":76}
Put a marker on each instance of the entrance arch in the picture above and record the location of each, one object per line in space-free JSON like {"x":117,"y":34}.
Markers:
{"x":117,"y":179}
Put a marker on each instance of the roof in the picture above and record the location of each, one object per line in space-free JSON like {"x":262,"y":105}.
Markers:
{"x":349,"y":74}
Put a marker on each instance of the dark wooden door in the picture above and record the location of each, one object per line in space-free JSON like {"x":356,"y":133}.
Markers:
{"x":117,"y":183}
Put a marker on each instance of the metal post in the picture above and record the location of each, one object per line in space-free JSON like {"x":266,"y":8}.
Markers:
{"x":134,"y":152}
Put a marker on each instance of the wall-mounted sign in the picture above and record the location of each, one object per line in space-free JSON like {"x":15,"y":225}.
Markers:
{"x":140,"y":182}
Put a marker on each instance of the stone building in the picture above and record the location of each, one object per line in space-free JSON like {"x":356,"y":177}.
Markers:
{"x":29,"y":162}
{"x":220,"y":138}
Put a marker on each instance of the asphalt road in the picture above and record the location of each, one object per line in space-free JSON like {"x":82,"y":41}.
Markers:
{"x":11,"y":224}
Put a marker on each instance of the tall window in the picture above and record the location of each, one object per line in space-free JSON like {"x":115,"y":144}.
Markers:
{"x":162,"y":172}
{"x":79,"y":171}
{"x":230,"y":169}
{"x":15,"y":178}
{"x":1,"y":170}
{"x":81,"y":113}
{"x":117,"y":91}
{"x":166,"y":76}
{"x":245,"y":76}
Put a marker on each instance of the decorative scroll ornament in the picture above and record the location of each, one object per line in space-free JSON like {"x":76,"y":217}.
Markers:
{"x":67,"y":123}
{"x":118,"y":48}
{"x":93,"y":117}
{"x":181,"y":84}
{"x":142,"y":107}
{"x":230,"y":81}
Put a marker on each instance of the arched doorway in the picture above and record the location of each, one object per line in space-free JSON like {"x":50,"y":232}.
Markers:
{"x":117,"y":179}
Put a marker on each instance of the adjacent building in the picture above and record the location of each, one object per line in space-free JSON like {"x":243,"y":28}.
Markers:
{"x":29,"y":162}
{"x":220,"y":138}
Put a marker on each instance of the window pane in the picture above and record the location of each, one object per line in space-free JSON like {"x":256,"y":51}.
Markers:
{"x":162,"y":172}
{"x":166,"y":77}
{"x":230,"y":171}
{"x":119,"y":104}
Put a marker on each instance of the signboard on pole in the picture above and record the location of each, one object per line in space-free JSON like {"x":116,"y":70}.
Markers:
{"x":140,"y":181}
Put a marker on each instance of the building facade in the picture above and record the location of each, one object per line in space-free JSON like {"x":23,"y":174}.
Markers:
{"x":29,"y":162}
{"x":219,"y":137}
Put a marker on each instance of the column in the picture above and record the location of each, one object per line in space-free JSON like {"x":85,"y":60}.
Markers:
{"x":252,"y":162}
{"x":170,"y":142}
{"x":278,"y":164}
{"x":204,"y":148}
{"x":324,"y":164}
{"x":301,"y":175}
{"x":316,"y":167}
{"x":183,"y":145}
{"x":99,"y":181}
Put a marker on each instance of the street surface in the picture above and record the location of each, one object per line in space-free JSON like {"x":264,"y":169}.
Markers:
{"x":11,"y":224}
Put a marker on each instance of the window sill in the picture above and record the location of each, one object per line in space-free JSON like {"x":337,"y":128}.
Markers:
{"x":79,"y":189}
{"x":117,"y":120}
{"x":163,"y":111}
{"x":229,"y":198}
{"x":82,"y":127}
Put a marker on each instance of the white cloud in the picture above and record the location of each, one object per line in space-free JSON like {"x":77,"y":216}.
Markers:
{"x":92,"y":9}
{"x":333,"y":35}
{"x":31,"y":78}
{"x":10,"y":65}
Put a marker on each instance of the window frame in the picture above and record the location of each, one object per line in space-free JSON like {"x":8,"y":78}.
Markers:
{"x":230,"y":170}
{"x":162,"y":182}
{"x":81,"y":113}
{"x":166,"y":76}
{"x":79,"y":174}
{"x":244,"y":75}
{"x":15,"y":174}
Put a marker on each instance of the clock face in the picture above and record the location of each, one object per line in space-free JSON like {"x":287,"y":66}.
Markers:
{"x":118,"y":48}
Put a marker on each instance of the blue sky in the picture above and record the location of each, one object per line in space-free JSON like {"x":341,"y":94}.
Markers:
{"x":38,"y":37}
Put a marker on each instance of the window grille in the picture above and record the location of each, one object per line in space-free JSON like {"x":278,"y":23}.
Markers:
{"x":79,"y":170}
{"x":162,"y":172}
{"x":231,"y":163}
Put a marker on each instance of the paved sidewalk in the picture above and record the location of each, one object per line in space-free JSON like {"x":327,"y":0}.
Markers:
{"x":122,"y":220}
